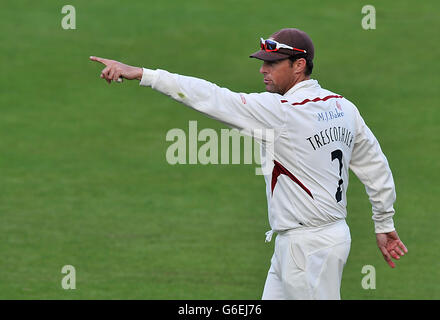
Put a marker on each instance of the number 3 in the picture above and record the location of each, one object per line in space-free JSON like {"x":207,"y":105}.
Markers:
{"x":337,"y":154}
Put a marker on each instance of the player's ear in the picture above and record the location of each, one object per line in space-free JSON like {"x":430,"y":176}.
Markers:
{"x":301,"y":65}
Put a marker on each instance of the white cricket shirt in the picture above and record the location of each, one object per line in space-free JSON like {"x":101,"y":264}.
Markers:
{"x":318,"y":136}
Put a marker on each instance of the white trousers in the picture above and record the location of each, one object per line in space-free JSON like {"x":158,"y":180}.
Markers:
{"x":308,"y":263}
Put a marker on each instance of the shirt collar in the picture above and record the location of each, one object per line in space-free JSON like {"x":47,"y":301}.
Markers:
{"x":303,"y":85}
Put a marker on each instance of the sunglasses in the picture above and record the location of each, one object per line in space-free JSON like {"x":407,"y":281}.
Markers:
{"x":272,"y":46}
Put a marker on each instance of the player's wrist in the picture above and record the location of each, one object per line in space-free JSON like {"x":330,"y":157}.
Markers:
{"x":138,"y":73}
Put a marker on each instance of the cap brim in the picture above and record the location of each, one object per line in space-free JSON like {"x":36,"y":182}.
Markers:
{"x":269,"y":56}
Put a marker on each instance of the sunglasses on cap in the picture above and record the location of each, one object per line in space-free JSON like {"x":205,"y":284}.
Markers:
{"x":270,"y":45}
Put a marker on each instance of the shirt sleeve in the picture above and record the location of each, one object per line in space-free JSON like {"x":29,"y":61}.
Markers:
{"x":371,"y":166}
{"x":245,"y":112}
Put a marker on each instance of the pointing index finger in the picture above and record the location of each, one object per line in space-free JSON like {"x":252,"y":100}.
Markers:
{"x":98,"y":59}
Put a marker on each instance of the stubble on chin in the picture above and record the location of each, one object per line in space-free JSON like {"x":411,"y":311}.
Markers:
{"x":272,"y":89}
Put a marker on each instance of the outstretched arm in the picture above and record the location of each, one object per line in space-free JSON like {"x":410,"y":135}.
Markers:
{"x":390,"y":246}
{"x":250,"y":113}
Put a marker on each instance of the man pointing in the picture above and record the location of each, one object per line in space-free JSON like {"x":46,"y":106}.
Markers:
{"x":318,"y":136}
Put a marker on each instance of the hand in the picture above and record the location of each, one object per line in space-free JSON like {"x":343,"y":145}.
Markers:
{"x":390,"y":246}
{"x":114,"y":70}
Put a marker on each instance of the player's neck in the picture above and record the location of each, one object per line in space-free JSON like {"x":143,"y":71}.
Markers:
{"x":295,"y":81}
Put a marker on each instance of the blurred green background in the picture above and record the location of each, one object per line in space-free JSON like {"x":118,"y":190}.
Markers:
{"x":83,"y":174}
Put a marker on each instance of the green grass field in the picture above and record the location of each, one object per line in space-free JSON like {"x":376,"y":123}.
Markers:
{"x":83,"y":175}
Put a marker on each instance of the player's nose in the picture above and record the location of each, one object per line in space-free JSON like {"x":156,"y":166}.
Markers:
{"x":264,"y":68}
